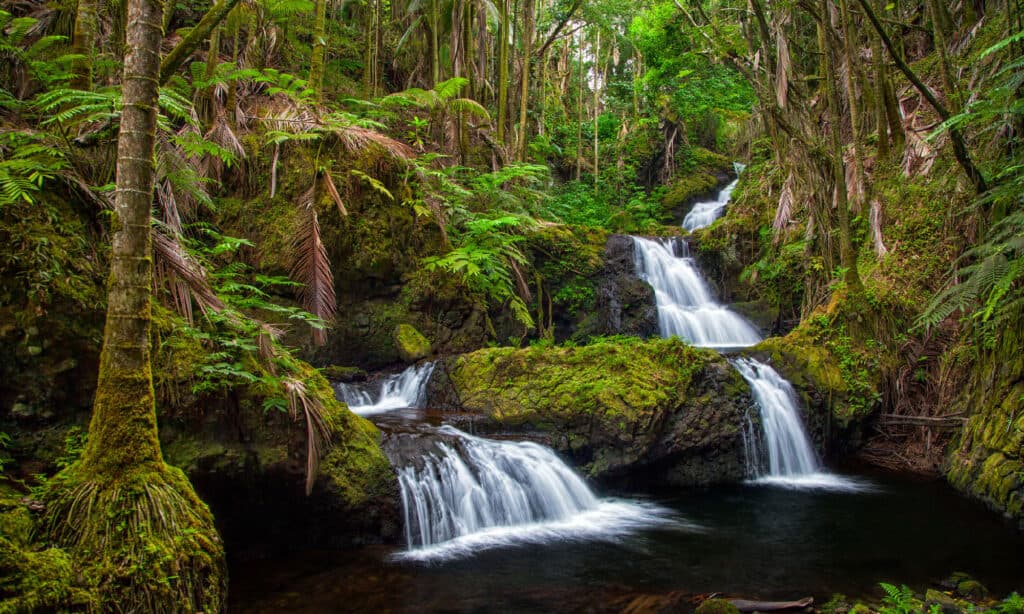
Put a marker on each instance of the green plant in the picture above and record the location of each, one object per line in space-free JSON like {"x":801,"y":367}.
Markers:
{"x":1013,"y":604}
{"x":897,"y":600}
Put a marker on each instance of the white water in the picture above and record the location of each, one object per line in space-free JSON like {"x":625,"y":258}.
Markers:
{"x":792,"y":462}
{"x":704,"y":213}
{"x":475,"y":494}
{"x":685,"y":306}
{"x":399,"y":391}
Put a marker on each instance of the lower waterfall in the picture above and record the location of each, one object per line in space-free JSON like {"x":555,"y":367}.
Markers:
{"x":469,"y":494}
{"x":787,"y":450}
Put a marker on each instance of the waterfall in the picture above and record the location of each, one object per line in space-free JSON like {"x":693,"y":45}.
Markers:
{"x":398,"y":391}
{"x":469,"y":494}
{"x":685,"y":306}
{"x":791,"y":460}
{"x":703,"y":213}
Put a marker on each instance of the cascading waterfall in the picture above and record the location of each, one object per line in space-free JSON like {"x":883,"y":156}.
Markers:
{"x":399,"y":391}
{"x":470,"y":494}
{"x":791,"y":460}
{"x":685,"y":306}
{"x":704,"y":213}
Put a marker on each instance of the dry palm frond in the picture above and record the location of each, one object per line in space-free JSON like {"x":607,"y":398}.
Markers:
{"x":318,"y":429}
{"x":784,"y":64}
{"x":918,"y":155}
{"x":265,"y":347}
{"x":784,"y":214}
{"x":355,"y":138}
{"x":332,"y":190}
{"x":312,"y":268}
{"x":223,"y":135}
{"x":174,"y":263}
{"x":875,"y":220}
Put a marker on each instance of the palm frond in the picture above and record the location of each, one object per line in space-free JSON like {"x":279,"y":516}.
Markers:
{"x":312,"y":268}
{"x":318,"y":428}
{"x":332,"y":190}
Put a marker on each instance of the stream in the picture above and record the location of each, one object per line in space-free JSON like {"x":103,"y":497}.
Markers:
{"x":504,"y":525}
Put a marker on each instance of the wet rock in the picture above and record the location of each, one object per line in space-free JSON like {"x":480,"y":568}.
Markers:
{"x":941,"y":601}
{"x":620,"y":408}
{"x":716,"y":606}
{"x":411,"y":343}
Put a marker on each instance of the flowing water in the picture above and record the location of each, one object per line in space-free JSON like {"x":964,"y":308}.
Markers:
{"x":704,"y":213}
{"x":756,"y":542}
{"x":469,"y":494}
{"x":787,"y":458}
{"x":685,"y":305}
{"x":398,"y":391}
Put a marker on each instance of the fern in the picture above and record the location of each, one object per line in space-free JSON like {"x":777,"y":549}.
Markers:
{"x":897,"y":600}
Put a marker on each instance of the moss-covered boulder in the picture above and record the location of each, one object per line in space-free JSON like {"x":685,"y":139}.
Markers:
{"x":701,"y":176}
{"x":659,"y":407}
{"x":411,"y":343}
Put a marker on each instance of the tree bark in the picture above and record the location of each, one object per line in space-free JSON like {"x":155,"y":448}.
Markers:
{"x":319,"y":56}
{"x":524,"y":95}
{"x":503,"y":71}
{"x":83,"y":42}
{"x":123,"y":431}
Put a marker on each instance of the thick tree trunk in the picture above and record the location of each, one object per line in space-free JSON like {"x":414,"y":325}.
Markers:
{"x":122,"y":433}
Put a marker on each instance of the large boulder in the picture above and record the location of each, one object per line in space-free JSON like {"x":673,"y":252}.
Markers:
{"x":622,"y":407}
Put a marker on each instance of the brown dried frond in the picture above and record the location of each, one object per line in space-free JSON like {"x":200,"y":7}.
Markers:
{"x":318,"y":430}
{"x":356,"y":138}
{"x":173,"y":263}
{"x":784,"y":213}
{"x":312,"y":268}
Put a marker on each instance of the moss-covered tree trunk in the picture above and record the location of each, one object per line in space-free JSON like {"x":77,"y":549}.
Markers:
{"x":524,"y":94}
{"x":316,"y":61}
{"x":83,"y":42}
{"x":130,"y":521}
{"x":502,"y":69}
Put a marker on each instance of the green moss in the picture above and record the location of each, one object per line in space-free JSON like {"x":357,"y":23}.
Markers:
{"x":716,"y":606}
{"x":613,"y":381}
{"x":411,"y":343}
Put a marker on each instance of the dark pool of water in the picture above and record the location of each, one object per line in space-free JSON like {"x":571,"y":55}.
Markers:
{"x":757,"y":542}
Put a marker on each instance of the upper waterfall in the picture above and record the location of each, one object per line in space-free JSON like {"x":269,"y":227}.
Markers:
{"x":685,"y":306}
{"x":704,"y":213}
{"x":398,"y":391}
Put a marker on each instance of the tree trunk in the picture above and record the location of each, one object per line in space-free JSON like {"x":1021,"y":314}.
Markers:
{"x":597,"y":101}
{"x":503,"y":71}
{"x":120,"y":503}
{"x":847,"y":253}
{"x":83,"y":42}
{"x":319,"y":56}
{"x":524,"y":94}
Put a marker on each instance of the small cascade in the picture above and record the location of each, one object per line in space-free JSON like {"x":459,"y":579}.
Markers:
{"x":791,"y":460}
{"x":685,"y":306}
{"x":704,"y":213}
{"x":398,"y":391}
{"x":467,"y":494}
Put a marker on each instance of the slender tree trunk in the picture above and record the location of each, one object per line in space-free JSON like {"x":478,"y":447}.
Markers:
{"x":524,"y":94}
{"x":503,"y":71}
{"x":83,"y":42}
{"x":579,"y":112}
{"x":939,"y":29}
{"x":435,"y":43}
{"x":319,"y":57}
{"x":369,"y":39}
{"x":847,"y":253}
{"x":206,"y":102}
{"x":880,"y":97}
{"x":597,"y":102}
{"x":854,"y":99}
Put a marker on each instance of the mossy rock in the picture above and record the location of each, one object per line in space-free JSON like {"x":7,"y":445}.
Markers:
{"x":411,"y":343}
{"x":614,"y":406}
{"x":716,"y":606}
